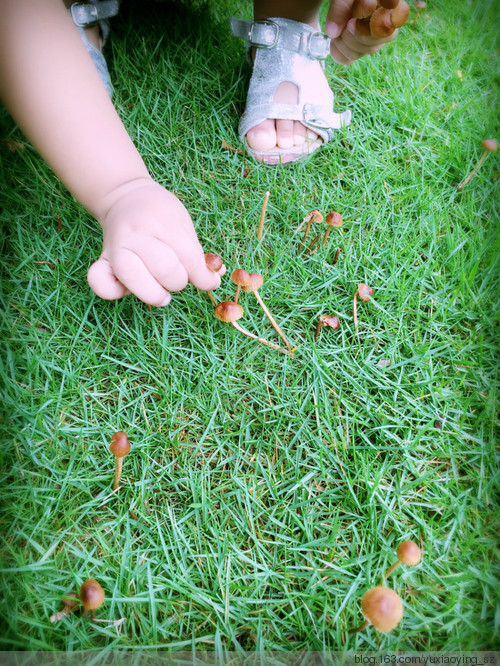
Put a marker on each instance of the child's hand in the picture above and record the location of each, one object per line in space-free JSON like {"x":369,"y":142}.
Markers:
{"x":347,"y":44}
{"x":150,"y":247}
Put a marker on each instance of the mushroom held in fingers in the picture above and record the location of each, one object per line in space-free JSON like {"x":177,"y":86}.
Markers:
{"x":256,"y":281}
{"x":489,"y":145}
{"x":365,"y":293}
{"x":363,"y":8}
{"x":333,"y":219}
{"x":91,"y":596}
{"x":230,"y":312}
{"x":119,"y":447}
{"x":381,"y":23}
{"x":313,"y":216}
{"x":325,"y":320}
{"x":408,"y":553}
{"x":381,"y":607}
{"x":400,"y":13}
{"x":71,"y":601}
{"x":241,"y":278}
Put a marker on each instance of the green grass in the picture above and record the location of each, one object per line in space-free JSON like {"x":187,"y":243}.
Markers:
{"x":264,"y":494}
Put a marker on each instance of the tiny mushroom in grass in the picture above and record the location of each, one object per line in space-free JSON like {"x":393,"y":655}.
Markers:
{"x":216,"y":265}
{"x":241,"y":278}
{"x":365,"y":293}
{"x":325,"y":320}
{"x":313,"y":216}
{"x":91,"y":596}
{"x":230,"y":312}
{"x":333,"y":219}
{"x":419,"y":4}
{"x":119,"y":447}
{"x":256,"y":281}
{"x":408,"y":553}
{"x":71,"y":601}
{"x":382,"y":608}
{"x":489,"y":145}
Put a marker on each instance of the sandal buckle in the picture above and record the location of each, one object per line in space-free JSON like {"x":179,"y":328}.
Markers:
{"x":84,"y":14}
{"x":263,"y":43}
{"x":318,"y":45}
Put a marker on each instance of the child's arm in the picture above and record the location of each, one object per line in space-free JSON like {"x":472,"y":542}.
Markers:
{"x":50,"y":85}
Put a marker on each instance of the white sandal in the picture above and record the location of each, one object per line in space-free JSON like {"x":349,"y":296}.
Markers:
{"x":288,"y":50}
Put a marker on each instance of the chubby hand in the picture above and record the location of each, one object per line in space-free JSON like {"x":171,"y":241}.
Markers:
{"x":150,"y":247}
{"x":348,"y":43}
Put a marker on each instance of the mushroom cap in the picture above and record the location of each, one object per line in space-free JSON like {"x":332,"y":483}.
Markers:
{"x":71,"y":599}
{"x":120,"y":445}
{"x":400,"y":13}
{"x":334,"y":219}
{"x":213,"y":261}
{"x":91,"y":594}
{"x":240,"y":277}
{"x":382,"y":607}
{"x":362,"y":27}
{"x":314,"y":216}
{"x":409,"y":553}
{"x":256,"y":281}
{"x":227,"y":311}
{"x":490,"y":144}
{"x":333,"y":322}
{"x":389,"y":4}
{"x":380,"y":23}
{"x":420,"y":4}
{"x":363,"y":8}
{"x":364,"y":292}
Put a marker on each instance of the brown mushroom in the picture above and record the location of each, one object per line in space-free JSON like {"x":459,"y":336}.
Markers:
{"x":363,"y":8}
{"x":241,"y":278}
{"x":382,"y":608}
{"x":325,"y":320}
{"x":365,"y":293}
{"x":362,"y":27}
{"x":333,"y":219}
{"x":91,"y":596}
{"x":381,"y":23}
{"x":119,"y":447}
{"x":313,"y":216}
{"x":400,"y":13}
{"x":71,"y":601}
{"x":489,"y":145}
{"x":408,"y":553}
{"x":256,"y":281}
{"x":419,"y":4}
{"x":216,"y":265}
{"x":230,"y":312}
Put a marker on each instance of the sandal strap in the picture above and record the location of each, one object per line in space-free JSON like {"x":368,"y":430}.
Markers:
{"x":267,"y":34}
{"x":85,"y":14}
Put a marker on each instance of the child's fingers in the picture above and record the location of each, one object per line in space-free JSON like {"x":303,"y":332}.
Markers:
{"x":162,"y":262}
{"x":104,"y":282}
{"x":130,"y":269}
{"x":339,"y":12}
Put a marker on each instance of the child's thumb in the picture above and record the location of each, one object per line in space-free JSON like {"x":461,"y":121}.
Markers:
{"x":339,"y":13}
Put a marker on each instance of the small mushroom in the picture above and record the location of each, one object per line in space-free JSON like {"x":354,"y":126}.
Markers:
{"x":230,"y":312}
{"x":119,"y":447}
{"x":91,"y":596}
{"x":333,"y":219}
{"x":363,"y":8}
{"x":256,"y":281}
{"x":400,"y":13}
{"x":260,"y":229}
{"x":216,"y":265}
{"x":388,"y":4}
{"x":313,"y":216}
{"x":71,"y":601}
{"x":362,"y":27}
{"x":241,"y":278}
{"x":381,"y":23}
{"x":325,"y":320}
{"x":382,"y":608}
{"x":419,"y":4}
{"x":408,"y":553}
{"x":365,"y":293}
{"x":489,"y":145}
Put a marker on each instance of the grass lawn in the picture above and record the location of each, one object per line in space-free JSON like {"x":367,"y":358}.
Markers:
{"x":264,"y":493}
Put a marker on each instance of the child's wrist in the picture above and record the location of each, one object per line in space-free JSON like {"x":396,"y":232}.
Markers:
{"x":113,"y":196}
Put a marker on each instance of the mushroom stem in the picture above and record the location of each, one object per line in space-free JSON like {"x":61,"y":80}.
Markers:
{"x":306,"y":233}
{"x":71,"y":601}
{"x":238,"y":289}
{"x":255,"y":337}
{"x":392,"y":568}
{"x":212,"y":298}
{"x":360,"y":628}
{"x":461,"y":186}
{"x":327,"y":233}
{"x":118,"y":472}
{"x":355,"y":310}
{"x":271,"y":318}
{"x":260,"y":229}
{"x":336,"y":257}
{"x":318,"y":328}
